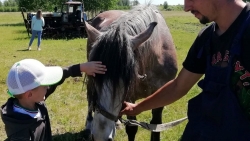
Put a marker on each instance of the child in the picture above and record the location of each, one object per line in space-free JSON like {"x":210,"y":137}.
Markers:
{"x":29,"y":83}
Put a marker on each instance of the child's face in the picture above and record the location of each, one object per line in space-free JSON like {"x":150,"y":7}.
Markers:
{"x":39,"y":93}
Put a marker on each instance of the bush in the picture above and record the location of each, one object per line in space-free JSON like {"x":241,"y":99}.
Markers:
{"x":14,"y":9}
{"x":9,"y":9}
{"x":175,"y":8}
{"x":121,"y":8}
{"x":170,"y":9}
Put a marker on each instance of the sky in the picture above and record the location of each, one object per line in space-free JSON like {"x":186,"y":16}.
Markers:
{"x":158,"y":2}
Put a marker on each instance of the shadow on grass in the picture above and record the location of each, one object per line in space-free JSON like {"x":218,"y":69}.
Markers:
{"x":22,"y":31}
{"x":22,"y":38}
{"x":48,"y":38}
{"x":81,"y":136}
{"x":13,"y":24}
{"x":26,"y":49}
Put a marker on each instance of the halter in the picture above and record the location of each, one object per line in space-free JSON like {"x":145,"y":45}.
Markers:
{"x":99,"y":109}
{"x":95,"y":106}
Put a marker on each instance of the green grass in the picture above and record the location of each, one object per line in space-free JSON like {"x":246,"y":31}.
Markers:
{"x":67,"y":106}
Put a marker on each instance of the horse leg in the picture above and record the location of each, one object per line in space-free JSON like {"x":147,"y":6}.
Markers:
{"x":156,"y":119}
{"x":131,"y":130}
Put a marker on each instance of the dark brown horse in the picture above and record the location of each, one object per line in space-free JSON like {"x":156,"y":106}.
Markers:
{"x":138,"y":51}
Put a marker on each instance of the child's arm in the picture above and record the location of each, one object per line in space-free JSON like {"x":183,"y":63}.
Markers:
{"x":73,"y":71}
{"x":90,"y":68}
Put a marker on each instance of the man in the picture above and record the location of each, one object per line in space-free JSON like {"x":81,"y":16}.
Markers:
{"x":221,"y":112}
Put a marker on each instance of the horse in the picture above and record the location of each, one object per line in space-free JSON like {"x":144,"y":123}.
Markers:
{"x":138,"y":51}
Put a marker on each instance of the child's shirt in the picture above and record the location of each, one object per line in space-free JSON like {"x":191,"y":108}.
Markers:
{"x":32,"y":113}
{"x":22,"y":127}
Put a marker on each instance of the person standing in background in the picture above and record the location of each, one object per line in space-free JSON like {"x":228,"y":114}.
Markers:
{"x":37,"y":27}
{"x":85,"y":17}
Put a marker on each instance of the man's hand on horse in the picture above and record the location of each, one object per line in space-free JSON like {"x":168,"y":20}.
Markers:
{"x":130,"y":109}
{"x":93,"y":67}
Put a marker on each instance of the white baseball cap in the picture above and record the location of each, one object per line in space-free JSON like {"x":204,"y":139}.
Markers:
{"x":28,"y":74}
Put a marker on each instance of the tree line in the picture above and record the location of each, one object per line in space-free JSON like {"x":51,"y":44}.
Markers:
{"x":8,"y":6}
{"x":48,"y":5}
{"x":167,"y":7}
{"x":89,"y":5}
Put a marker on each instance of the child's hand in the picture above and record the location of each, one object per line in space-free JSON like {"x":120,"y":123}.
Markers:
{"x":93,"y":67}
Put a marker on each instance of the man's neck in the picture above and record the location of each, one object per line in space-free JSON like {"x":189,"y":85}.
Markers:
{"x":228,"y":14}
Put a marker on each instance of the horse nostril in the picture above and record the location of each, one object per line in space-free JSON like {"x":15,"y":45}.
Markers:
{"x":110,"y":139}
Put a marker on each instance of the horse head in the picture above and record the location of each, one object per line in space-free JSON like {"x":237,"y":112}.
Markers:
{"x":116,"y":49}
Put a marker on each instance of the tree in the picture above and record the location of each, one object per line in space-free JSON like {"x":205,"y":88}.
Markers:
{"x":120,"y":3}
{"x":45,"y":5}
{"x":136,"y":2}
{"x":123,"y":3}
{"x":246,"y":0}
{"x":48,"y":5}
{"x":91,"y":5}
{"x":165,"y":5}
{"x":6,"y":4}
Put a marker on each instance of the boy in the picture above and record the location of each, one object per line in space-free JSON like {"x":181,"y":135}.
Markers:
{"x":29,"y":83}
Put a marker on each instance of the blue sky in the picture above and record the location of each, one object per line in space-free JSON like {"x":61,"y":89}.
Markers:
{"x":170,"y":2}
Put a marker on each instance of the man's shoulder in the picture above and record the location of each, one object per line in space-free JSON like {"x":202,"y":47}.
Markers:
{"x":246,"y":33}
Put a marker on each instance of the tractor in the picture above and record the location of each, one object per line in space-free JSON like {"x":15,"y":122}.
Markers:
{"x":68,"y":23}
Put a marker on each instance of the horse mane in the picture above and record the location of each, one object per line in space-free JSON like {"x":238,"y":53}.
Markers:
{"x":114,"y":49}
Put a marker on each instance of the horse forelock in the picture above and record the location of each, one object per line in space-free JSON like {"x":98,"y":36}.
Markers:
{"x":114,"y":49}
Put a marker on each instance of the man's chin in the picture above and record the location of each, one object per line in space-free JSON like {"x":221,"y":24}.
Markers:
{"x":204,"y":21}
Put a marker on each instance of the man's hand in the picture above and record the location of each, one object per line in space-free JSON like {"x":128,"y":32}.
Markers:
{"x":130,"y":109}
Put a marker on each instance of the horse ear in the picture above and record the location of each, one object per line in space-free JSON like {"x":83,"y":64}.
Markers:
{"x":92,"y":32}
{"x":143,"y":36}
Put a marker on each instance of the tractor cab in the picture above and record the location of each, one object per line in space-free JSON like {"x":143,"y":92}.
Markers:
{"x":72,"y":12}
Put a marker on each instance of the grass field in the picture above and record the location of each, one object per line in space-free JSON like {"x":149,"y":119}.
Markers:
{"x":67,"y":106}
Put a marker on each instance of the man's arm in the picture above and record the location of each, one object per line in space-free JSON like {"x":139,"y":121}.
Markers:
{"x":167,"y":94}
